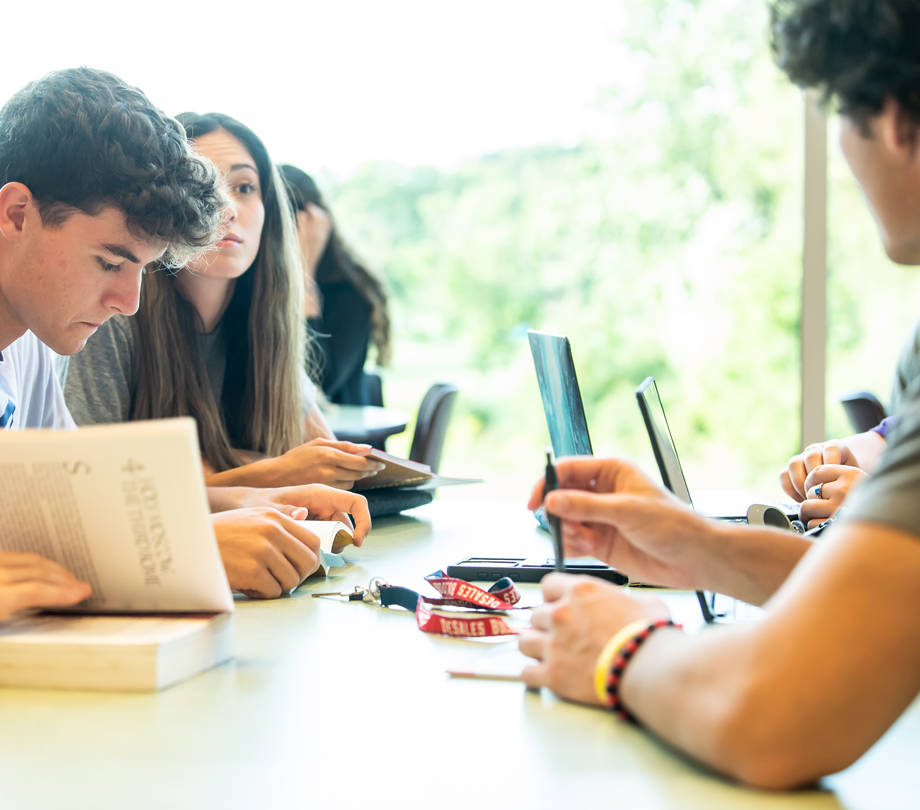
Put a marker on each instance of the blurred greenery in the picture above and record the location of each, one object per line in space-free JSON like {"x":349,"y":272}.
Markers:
{"x":671,"y":248}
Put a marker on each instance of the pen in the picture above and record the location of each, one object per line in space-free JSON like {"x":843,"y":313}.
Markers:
{"x":551,"y":484}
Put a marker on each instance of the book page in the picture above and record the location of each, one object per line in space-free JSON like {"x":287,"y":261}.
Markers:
{"x":331,"y":533}
{"x":39,"y":514}
{"x":123,"y":507}
{"x":333,"y":537}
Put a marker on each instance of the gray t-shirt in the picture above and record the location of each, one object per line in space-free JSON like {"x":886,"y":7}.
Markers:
{"x":892,"y":495}
{"x":101,"y":381}
{"x":908,"y":368}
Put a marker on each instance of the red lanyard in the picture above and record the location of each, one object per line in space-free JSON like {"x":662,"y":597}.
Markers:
{"x":454,"y":593}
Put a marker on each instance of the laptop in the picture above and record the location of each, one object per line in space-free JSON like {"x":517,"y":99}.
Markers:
{"x":727,"y":504}
{"x":562,"y":404}
{"x":568,"y":426}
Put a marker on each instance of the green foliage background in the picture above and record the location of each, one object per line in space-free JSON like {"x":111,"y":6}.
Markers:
{"x":672,"y":248}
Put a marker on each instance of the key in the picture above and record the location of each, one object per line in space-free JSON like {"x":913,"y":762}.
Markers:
{"x":357,"y":595}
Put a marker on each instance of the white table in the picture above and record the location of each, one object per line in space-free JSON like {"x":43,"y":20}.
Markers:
{"x":367,"y":424}
{"x":341,"y":705}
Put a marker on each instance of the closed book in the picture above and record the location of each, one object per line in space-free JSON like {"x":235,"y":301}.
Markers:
{"x":400,"y":472}
{"x":138,"y":653}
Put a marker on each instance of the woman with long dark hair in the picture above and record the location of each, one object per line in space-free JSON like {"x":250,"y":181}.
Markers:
{"x":350,"y":306}
{"x":223,"y":340}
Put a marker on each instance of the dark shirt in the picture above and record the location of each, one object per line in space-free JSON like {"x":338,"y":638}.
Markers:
{"x":342,"y":334}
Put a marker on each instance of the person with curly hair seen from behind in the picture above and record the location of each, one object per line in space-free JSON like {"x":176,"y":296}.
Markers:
{"x":235,"y":320}
{"x":345,"y":303}
{"x":836,"y":659}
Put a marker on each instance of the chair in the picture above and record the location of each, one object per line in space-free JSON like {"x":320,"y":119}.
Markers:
{"x":431,"y":425}
{"x":373,"y":387}
{"x":863,"y":409}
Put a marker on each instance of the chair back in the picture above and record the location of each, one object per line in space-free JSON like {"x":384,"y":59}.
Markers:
{"x":863,"y":409}
{"x":373,"y":387}
{"x":431,"y":426}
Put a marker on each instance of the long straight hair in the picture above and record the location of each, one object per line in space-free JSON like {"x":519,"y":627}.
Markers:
{"x":337,"y":262}
{"x":261,"y":407}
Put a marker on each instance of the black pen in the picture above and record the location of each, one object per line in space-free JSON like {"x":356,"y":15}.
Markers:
{"x":550,"y":484}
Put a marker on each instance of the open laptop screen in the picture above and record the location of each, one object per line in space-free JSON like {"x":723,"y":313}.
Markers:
{"x":565,"y":413}
{"x":665,"y":452}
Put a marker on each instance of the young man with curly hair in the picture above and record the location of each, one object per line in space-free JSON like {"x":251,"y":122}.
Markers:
{"x":807,"y":690}
{"x":95,"y":184}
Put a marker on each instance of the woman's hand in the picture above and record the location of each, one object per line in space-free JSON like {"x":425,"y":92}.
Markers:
{"x":320,"y":461}
{"x":834,"y":452}
{"x":826,"y":487}
{"x":323,"y":461}
{"x":28,"y":580}
{"x":265,"y":553}
{"x":315,"y":502}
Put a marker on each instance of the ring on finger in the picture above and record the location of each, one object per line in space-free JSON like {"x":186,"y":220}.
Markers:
{"x":818,"y":491}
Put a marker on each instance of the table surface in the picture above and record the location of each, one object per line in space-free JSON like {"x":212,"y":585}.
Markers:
{"x":354,"y":418}
{"x":337,"y":703}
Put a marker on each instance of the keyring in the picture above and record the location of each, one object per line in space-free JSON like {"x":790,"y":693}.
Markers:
{"x":818,"y":491}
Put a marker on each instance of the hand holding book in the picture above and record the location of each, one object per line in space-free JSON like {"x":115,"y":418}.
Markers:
{"x":319,"y":503}
{"x":320,"y":461}
{"x":28,"y":580}
{"x":265,"y":552}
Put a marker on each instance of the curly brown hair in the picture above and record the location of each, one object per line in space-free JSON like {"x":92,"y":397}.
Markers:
{"x":859,"y":52}
{"x":84,"y":140}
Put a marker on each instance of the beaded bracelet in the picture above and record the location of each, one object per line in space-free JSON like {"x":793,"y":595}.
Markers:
{"x":621,"y":659}
{"x":612,"y":650}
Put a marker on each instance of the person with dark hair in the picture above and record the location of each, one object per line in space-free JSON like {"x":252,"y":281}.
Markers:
{"x":348,"y":306}
{"x":222,"y":339}
{"x":97,"y":184}
{"x":807,"y":690}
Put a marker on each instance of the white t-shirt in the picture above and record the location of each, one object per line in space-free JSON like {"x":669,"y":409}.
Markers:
{"x":30,"y":394}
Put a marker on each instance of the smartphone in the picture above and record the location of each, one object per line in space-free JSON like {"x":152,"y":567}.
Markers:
{"x":527,"y":569}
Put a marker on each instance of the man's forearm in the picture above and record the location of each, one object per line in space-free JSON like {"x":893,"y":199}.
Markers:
{"x":693,"y":692}
{"x":750,"y":563}
{"x":800,"y":694}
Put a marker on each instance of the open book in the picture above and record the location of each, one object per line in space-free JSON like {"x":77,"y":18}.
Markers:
{"x":400,"y":472}
{"x":124,"y":508}
{"x":333,"y":537}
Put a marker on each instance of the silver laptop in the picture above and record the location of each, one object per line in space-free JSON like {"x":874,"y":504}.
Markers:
{"x":733,"y":503}
{"x":724,"y":504}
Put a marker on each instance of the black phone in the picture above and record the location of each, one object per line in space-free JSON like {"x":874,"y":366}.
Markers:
{"x":527,"y":569}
